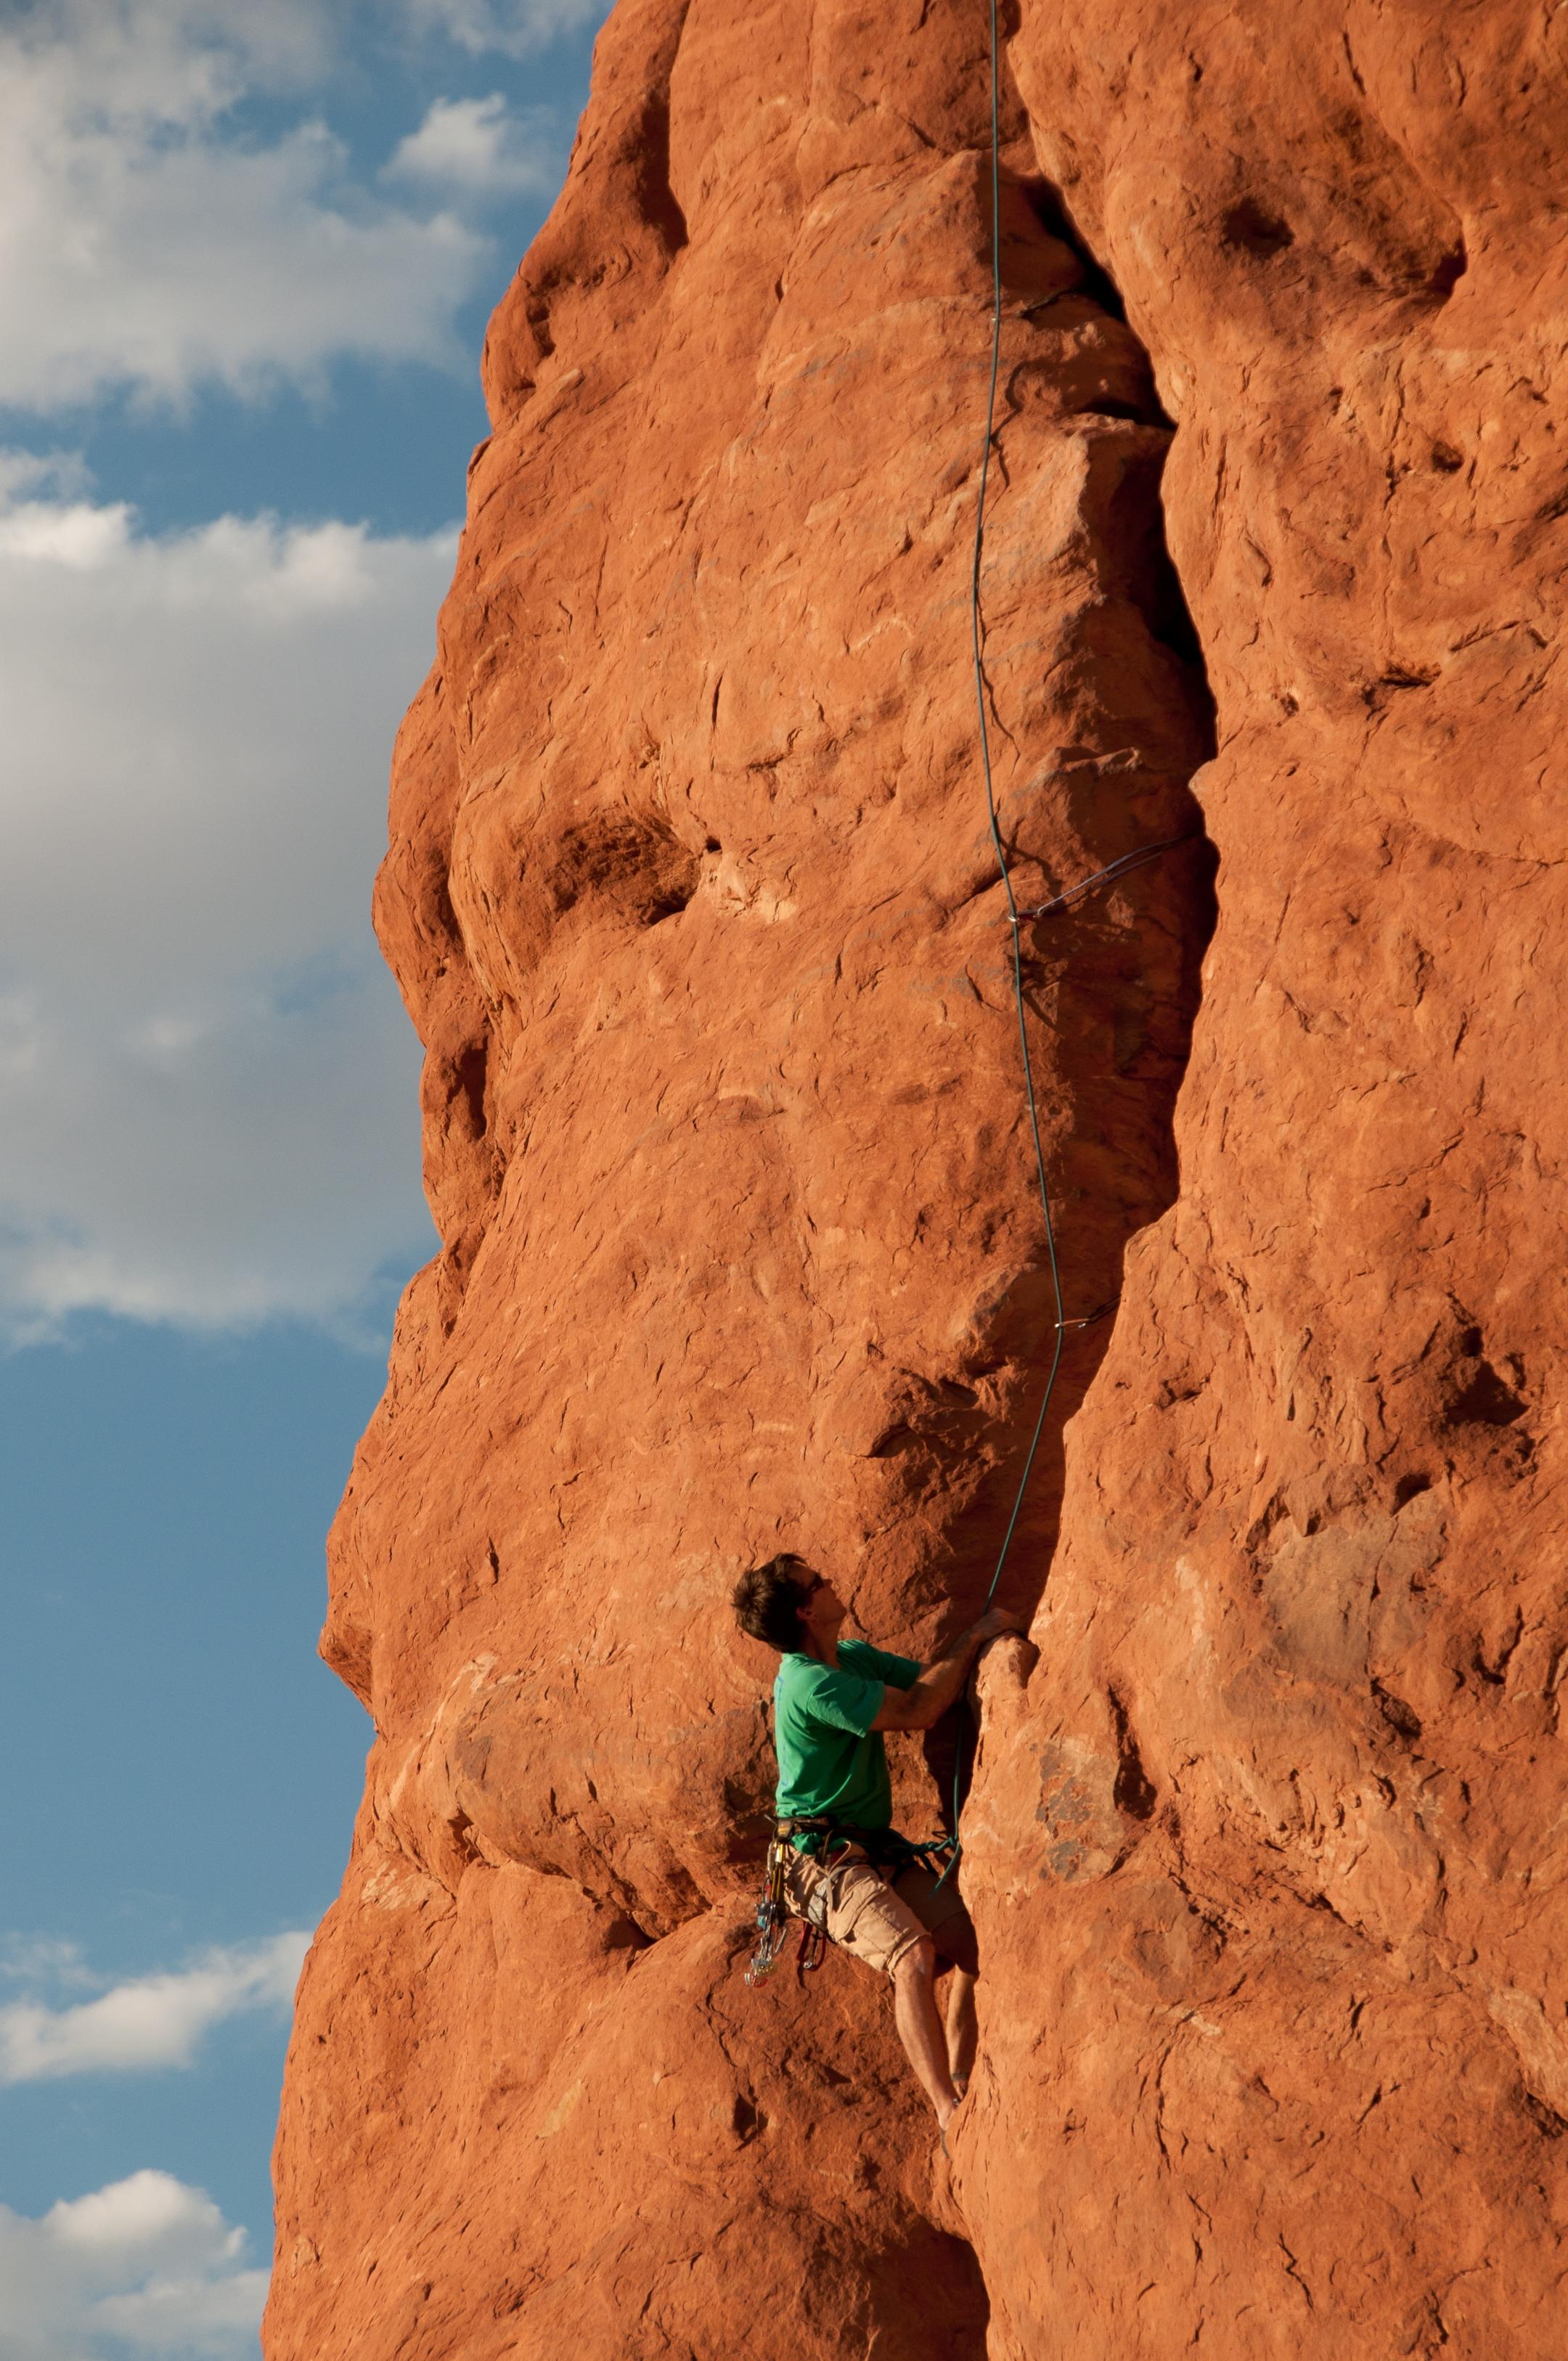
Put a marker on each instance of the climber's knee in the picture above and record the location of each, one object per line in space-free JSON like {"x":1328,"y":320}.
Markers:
{"x":956,"y":1945}
{"x":917,"y":1964}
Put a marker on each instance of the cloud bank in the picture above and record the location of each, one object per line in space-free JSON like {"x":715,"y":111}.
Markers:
{"x":147,"y":2262}
{"x":514,"y":28}
{"x":148,"y":243}
{"x":149,"y":2020}
{"x":207,"y":1084}
{"x":207,"y":1087}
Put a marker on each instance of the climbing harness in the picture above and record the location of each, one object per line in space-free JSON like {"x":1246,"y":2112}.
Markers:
{"x":886,"y":1849}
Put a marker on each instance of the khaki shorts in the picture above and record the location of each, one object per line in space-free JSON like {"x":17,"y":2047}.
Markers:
{"x":861,"y":1913}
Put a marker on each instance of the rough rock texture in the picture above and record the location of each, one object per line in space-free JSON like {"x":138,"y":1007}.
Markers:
{"x":689,"y":895}
{"x":1309,"y":1983}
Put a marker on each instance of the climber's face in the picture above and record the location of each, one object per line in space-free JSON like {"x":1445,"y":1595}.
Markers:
{"x":822,"y":1610}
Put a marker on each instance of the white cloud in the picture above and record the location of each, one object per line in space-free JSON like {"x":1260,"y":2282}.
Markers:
{"x":62,"y":472}
{"x":152,"y":2214}
{"x":145,"y":243}
{"x":475,"y":145}
{"x":208,"y":1089}
{"x":44,"y":1960}
{"x":147,"y":2261}
{"x":514,"y":28}
{"x":150,"y":2021}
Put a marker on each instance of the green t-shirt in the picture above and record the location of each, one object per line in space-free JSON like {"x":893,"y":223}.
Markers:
{"x":831,"y":1759}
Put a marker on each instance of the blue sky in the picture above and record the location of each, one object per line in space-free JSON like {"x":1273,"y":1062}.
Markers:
{"x":246,"y":254}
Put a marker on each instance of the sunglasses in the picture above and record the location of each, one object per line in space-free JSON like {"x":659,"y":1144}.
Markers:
{"x":810,"y":1590}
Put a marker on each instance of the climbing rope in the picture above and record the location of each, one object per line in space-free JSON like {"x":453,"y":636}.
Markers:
{"x":1015,"y":915}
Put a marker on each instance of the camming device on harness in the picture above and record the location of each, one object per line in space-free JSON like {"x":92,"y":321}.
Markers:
{"x":887,"y":1851}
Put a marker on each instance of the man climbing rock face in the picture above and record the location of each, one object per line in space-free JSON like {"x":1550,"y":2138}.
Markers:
{"x":849,"y":1874}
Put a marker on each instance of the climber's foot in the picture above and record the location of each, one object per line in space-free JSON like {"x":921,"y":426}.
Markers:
{"x":945,"y":2114}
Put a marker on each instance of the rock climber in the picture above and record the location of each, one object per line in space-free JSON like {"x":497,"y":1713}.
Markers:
{"x":832,"y":1701}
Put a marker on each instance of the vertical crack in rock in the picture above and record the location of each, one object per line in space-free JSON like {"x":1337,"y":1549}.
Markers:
{"x":1298,"y":1980}
{"x":690,"y":894}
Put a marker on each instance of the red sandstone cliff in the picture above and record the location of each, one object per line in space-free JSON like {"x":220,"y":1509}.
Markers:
{"x":689,"y":894}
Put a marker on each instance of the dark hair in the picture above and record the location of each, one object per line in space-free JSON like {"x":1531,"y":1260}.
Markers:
{"x":768,"y":1600}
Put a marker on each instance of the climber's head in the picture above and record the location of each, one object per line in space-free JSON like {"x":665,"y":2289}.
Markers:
{"x":788,"y":1604}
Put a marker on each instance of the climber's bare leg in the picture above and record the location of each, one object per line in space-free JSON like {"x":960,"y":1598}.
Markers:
{"x":920,"y":2026}
{"x":958,"y":1958}
{"x":962,"y":2028}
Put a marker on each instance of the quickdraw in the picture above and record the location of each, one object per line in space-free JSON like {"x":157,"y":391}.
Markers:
{"x":810,"y":1951}
{"x":773,"y":1915}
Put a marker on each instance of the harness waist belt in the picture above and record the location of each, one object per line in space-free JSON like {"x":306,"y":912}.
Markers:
{"x":884,"y":1847}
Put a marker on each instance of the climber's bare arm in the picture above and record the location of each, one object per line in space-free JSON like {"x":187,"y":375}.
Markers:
{"x":927,"y":1698}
